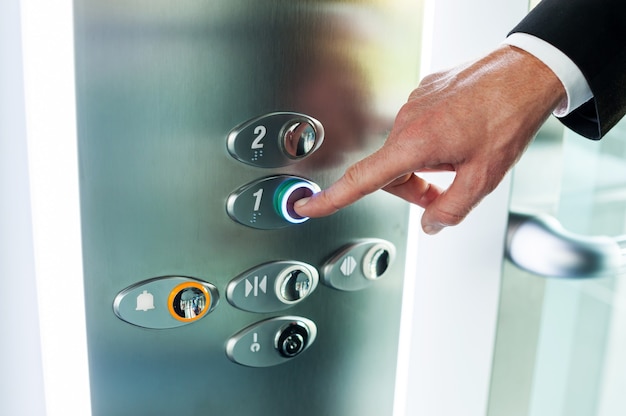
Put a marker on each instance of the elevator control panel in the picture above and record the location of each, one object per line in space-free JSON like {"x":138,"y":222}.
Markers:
{"x":272,"y":341}
{"x":172,"y":301}
{"x":272,"y":286}
{"x":275,"y":140}
{"x":358,"y":265}
{"x":267,"y":203}
{"x":166,"y":302}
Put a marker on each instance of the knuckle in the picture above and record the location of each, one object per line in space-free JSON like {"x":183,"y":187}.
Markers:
{"x":434,"y":81}
{"x":405,"y":114}
{"x":430,"y":78}
{"x":329,"y":204}
{"x":352,"y":177}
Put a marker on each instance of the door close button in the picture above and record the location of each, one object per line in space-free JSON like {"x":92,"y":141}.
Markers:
{"x":273,"y":286}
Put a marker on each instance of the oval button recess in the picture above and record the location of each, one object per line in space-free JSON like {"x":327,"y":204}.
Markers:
{"x":268,"y":202}
{"x":276,"y":139}
{"x":166,"y":302}
{"x":273,"y":286}
{"x":358,"y":265}
{"x":271,"y":342}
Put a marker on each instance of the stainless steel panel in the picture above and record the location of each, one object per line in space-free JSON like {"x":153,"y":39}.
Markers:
{"x":159,"y":86}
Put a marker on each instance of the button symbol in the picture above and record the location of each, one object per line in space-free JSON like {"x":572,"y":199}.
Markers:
{"x":254,"y":287}
{"x":348,"y":265}
{"x":255,"y":346}
{"x":145,"y":301}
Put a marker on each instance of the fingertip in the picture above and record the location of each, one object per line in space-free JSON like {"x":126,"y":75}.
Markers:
{"x":436,"y":219}
{"x":432,"y":229}
{"x":312,"y":206}
{"x":300,"y":207}
{"x":301,"y":202}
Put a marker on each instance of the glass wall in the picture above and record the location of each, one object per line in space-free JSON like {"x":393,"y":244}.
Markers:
{"x":561,"y":343}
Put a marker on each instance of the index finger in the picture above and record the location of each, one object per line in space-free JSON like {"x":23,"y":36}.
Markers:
{"x":364,"y":177}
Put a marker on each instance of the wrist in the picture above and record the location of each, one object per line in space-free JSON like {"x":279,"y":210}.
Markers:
{"x":534,"y":85}
{"x":576,"y":87}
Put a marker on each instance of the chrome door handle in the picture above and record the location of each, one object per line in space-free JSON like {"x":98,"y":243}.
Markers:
{"x":539,"y":244}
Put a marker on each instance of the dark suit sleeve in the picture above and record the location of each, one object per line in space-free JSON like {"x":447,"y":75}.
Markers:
{"x":592,"y":33}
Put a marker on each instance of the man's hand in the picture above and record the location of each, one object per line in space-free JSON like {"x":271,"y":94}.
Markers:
{"x":475,"y":119}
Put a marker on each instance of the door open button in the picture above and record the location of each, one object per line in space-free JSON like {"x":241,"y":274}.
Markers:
{"x":376,"y":261}
{"x":358,"y":265}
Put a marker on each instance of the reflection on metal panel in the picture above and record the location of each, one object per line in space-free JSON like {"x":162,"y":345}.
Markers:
{"x":160,"y":86}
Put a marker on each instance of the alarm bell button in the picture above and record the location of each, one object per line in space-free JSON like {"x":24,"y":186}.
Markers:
{"x":189,"y":301}
{"x":165,"y":302}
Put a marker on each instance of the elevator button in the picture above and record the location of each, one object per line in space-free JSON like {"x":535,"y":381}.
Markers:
{"x":376,"y":261}
{"x":267,"y":203}
{"x":189,"y":301}
{"x":288,"y":193}
{"x":276,"y":139}
{"x":292,"y":339}
{"x":271,"y":342}
{"x":166,"y":302}
{"x":272,"y":286}
{"x":299,"y":139}
{"x":358,"y":265}
{"x":295,"y":284}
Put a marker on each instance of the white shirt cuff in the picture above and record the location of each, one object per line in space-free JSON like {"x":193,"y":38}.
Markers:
{"x":573,"y":80}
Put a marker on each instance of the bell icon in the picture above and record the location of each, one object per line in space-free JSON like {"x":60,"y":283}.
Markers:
{"x":145,"y":301}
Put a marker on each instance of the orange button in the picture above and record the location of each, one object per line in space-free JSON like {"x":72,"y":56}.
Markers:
{"x":189,"y":301}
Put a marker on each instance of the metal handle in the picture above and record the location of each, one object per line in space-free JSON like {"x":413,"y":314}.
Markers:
{"x":540,"y":244}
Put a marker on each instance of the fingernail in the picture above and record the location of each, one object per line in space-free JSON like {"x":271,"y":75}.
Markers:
{"x":301,"y":202}
{"x":432,"y":229}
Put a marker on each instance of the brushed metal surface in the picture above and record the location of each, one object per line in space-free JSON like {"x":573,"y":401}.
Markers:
{"x":160,"y":85}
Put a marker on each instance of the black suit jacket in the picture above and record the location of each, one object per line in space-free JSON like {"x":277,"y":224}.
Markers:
{"x":593,"y":34}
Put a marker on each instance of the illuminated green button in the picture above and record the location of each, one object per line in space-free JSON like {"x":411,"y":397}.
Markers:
{"x":288,"y":193}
